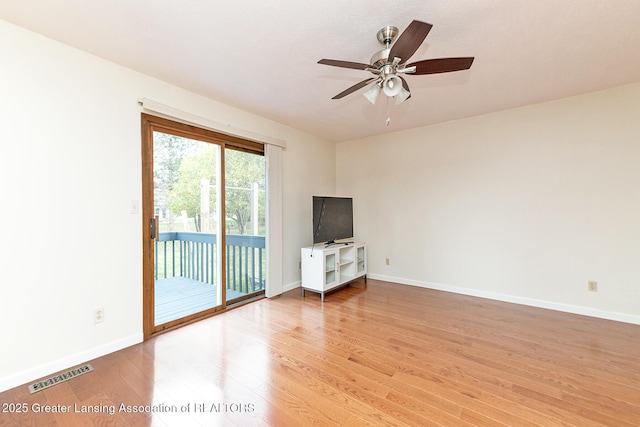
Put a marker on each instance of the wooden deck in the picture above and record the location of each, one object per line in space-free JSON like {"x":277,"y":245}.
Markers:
{"x":177,"y":297}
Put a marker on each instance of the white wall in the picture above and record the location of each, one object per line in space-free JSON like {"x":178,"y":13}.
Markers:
{"x":70,"y":169}
{"x":524,"y":205}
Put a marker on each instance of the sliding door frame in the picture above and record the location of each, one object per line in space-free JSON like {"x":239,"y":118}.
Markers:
{"x":151,"y":124}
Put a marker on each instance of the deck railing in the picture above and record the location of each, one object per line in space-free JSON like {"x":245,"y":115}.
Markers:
{"x":194,"y":256}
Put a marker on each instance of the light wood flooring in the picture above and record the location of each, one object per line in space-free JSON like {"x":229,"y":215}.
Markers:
{"x":387,"y":355}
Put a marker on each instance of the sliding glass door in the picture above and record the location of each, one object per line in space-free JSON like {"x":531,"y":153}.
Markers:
{"x":204,"y":247}
{"x":245,"y":200}
{"x":187,"y":256}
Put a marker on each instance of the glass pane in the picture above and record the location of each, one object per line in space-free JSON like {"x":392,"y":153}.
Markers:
{"x":186,"y":200}
{"x":245,"y":201}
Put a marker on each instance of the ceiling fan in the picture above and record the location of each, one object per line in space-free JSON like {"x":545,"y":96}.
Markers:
{"x":388,"y":64}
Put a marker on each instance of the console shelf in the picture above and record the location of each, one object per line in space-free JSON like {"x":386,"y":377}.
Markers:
{"x":327,"y":268}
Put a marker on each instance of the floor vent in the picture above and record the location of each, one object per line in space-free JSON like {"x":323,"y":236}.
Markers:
{"x":57,"y":379}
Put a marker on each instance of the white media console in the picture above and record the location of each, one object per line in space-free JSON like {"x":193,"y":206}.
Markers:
{"x":333,"y":266}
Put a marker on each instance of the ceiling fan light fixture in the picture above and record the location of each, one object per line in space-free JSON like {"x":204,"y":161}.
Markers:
{"x":392,"y":85}
{"x":402,"y":96}
{"x":372,"y":93}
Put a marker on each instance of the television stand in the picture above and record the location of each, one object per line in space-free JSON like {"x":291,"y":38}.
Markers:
{"x":327,"y":268}
{"x":334,"y":243}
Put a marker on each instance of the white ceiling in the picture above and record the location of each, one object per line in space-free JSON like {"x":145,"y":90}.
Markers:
{"x":261,"y":56}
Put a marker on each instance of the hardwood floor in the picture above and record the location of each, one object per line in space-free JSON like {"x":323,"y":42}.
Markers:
{"x":389,"y":355}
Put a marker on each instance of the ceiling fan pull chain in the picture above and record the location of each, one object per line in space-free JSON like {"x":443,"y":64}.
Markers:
{"x":388,"y":115}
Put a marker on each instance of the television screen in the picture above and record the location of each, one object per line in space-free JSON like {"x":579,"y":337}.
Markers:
{"x":332,"y":218}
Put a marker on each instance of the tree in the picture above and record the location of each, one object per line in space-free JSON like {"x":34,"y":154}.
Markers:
{"x":185,"y":194}
{"x":168,"y":152}
{"x":242,"y":171}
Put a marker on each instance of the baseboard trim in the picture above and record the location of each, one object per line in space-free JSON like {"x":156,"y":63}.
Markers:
{"x":550,"y":305}
{"x":291,"y":286}
{"x":51,"y":368}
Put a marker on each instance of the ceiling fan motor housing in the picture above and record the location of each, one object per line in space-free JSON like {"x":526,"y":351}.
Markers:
{"x":385,"y":36}
{"x":380,"y":58}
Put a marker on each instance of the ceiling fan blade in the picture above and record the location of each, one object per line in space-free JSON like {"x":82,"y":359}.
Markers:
{"x":441,"y":65}
{"x":344,"y":64}
{"x":409,"y":41}
{"x":353,"y":88}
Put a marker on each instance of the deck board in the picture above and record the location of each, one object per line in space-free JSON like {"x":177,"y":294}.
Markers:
{"x":177,"y":297}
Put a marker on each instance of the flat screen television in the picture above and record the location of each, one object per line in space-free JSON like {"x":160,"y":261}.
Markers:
{"x":332,"y":219}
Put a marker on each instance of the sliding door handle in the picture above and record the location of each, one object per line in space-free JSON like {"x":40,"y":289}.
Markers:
{"x":153,"y":228}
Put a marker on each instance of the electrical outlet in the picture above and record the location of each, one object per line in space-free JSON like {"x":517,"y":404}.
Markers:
{"x":592,"y":286}
{"x":386,"y":261}
{"x":98,"y":315}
